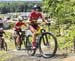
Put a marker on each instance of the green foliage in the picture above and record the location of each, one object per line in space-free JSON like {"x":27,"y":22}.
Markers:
{"x":63,"y":10}
{"x":67,"y":40}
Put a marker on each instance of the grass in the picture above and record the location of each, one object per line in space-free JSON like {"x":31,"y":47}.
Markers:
{"x":10,"y":44}
{"x":4,"y":55}
{"x":67,"y":40}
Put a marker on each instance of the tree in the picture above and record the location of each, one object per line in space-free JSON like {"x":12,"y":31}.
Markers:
{"x":6,"y":7}
{"x":62,"y":10}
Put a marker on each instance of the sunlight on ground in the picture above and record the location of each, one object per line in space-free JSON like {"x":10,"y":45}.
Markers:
{"x":69,"y":59}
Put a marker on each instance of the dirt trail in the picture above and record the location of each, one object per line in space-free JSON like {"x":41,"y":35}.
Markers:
{"x":22,"y":56}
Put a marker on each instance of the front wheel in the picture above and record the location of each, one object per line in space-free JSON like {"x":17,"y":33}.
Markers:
{"x":5,"y":46}
{"x":48,"y":45}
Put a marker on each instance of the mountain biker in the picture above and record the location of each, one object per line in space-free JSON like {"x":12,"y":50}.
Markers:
{"x":1,"y":31}
{"x":34,"y":27}
{"x":2,"y":21}
{"x":18,"y":30}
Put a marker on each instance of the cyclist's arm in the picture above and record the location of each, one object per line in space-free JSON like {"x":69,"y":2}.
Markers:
{"x":24,"y":24}
{"x":43,"y":18}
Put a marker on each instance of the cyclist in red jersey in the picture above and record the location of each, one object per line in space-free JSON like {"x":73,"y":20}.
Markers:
{"x":19,"y":24}
{"x":34,"y":16}
{"x":18,"y":29}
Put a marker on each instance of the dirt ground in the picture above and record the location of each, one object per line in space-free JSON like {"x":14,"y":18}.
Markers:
{"x":23,"y":56}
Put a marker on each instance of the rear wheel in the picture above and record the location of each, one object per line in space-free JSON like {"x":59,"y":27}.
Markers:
{"x":30,"y":51}
{"x":48,"y":45}
{"x":5,"y":46}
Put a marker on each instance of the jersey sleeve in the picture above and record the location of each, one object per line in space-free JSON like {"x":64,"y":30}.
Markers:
{"x":40,"y":15}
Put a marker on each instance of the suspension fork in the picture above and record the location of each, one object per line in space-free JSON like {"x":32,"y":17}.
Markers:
{"x":45,"y":37}
{"x":45,"y":40}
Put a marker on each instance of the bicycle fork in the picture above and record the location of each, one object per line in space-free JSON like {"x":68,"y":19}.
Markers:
{"x":45,"y":40}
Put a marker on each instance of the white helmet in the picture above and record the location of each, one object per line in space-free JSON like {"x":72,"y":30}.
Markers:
{"x":20,"y":18}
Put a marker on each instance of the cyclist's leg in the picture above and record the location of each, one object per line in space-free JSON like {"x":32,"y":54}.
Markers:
{"x":17,"y":38}
{"x":34,"y":31}
{"x":18,"y":46}
{"x":33,"y":35}
{"x":22,"y":34}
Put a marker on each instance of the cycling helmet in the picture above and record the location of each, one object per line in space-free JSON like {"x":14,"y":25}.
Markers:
{"x":37,"y":7}
{"x":20,"y":18}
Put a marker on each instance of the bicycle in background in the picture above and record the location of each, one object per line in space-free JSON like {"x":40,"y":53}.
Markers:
{"x":3,"y":44}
